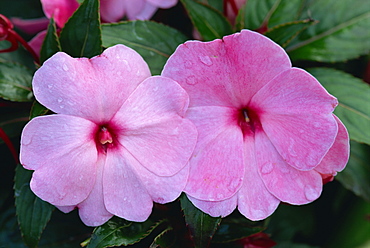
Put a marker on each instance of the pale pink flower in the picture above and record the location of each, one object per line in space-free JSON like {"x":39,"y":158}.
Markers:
{"x":118,"y":140}
{"x":266,"y":130}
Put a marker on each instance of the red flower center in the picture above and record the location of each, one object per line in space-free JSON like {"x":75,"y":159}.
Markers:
{"x":104,"y":138}
{"x":248,"y":121}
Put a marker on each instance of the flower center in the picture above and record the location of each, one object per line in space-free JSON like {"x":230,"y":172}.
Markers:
{"x":248,"y":121}
{"x":104,"y":138}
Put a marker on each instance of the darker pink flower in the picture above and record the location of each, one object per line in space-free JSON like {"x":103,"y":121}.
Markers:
{"x":118,"y":140}
{"x":267,"y":132}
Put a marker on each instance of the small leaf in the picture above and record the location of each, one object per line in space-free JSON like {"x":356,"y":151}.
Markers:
{"x":33,"y":213}
{"x":81,"y":35}
{"x":341,"y":35}
{"x":15,"y":82}
{"x":37,"y":110}
{"x":202,"y":226}
{"x":353,"y":96}
{"x":118,"y":232}
{"x":235,"y":227}
{"x":284,"y":33}
{"x":209,"y":22}
{"x":51,"y":44}
{"x":153,"y":41}
{"x":355,"y":176}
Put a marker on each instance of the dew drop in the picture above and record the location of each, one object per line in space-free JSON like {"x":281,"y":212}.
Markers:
{"x":155,"y":88}
{"x":61,"y":106}
{"x":127,"y":65}
{"x":291,"y":148}
{"x":206,"y":60}
{"x":65,"y":67}
{"x":310,"y":193}
{"x":50,"y":86}
{"x":60,"y":100}
{"x":26,"y":139}
{"x":191,"y":80}
{"x":267,"y":168}
{"x":188,"y":64}
{"x":316,"y":124}
{"x":125,"y":198}
{"x":44,"y":138}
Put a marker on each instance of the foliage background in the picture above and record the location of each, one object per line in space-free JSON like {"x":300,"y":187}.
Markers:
{"x":329,"y":38}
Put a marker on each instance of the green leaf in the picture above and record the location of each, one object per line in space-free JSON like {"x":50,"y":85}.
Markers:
{"x":353,"y":96}
{"x":283,"y":34}
{"x":33,"y":213}
{"x":37,"y":110}
{"x":153,"y":41}
{"x":217,"y":4}
{"x":118,"y":232}
{"x":166,"y":239}
{"x":202,"y":226}
{"x":15,"y":82}
{"x":51,"y":44}
{"x":81,"y":35}
{"x":209,"y":22}
{"x":255,"y":13}
{"x":236,"y":227}
{"x":341,"y":35}
{"x":356,"y":175}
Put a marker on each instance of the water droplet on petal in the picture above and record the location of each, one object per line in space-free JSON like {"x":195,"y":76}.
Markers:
{"x":26,"y":139}
{"x":206,"y":60}
{"x":65,"y":67}
{"x":50,"y":86}
{"x":61,"y":106}
{"x":291,"y":148}
{"x":155,"y":88}
{"x":311,"y":193}
{"x":127,"y":65}
{"x":188,"y":64}
{"x":267,"y":168}
{"x":191,"y":80}
{"x":60,"y":100}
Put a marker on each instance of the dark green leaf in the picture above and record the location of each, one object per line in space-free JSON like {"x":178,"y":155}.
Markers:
{"x":267,"y":12}
{"x":202,"y":226}
{"x":37,"y":110}
{"x":33,"y":213}
{"x":51,"y":44}
{"x":236,"y":227}
{"x":118,"y":232}
{"x":81,"y":35}
{"x":165,"y":239}
{"x":217,"y":4}
{"x":341,"y":35}
{"x":209,"y":22}
{"x":356,"y":176}
{"x":153,"y":41}
{"x":284,"y":33}
{"x":353,"y":96}
{"x":15,"y":82}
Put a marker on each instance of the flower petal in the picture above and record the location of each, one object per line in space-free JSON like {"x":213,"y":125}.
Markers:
{"x":217,"y":164}
{"x":60,"y":10}
{"x":154,"y":130}
{"x":36,"y":42}
{"x":31,"y":26}
{"x":92,"y":211}
{"x":216,"y":208}
{"x":161,"y":189}
{"x":68,"y":85}
{"x":124,"y":193}
{"x":146,"y":12}
{"x":254,"y":200}
{"x":282,"y":180}
{"x":63,"y":154}
{"x":296,"y":114}
{"x":337,"y":157}
{"x":226,"y":72}
{"x":164,"y":4}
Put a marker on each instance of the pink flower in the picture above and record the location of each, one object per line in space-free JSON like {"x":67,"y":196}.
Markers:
{"x":267,"y":133}
{"x":118,"y":140}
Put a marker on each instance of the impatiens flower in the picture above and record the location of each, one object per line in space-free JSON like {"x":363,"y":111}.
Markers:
{"x":267,"y":133}
{"x":118,"y":141}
